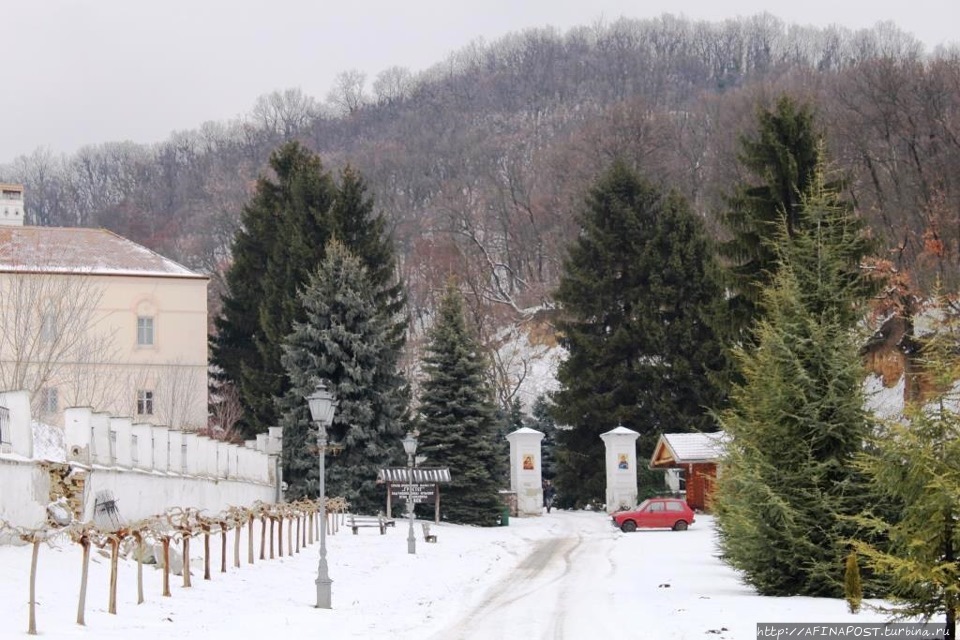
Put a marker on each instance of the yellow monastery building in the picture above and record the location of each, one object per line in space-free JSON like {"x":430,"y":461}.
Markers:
{"x":91,"y":319}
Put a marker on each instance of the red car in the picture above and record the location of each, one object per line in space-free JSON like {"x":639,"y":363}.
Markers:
{"x":667,"y":513}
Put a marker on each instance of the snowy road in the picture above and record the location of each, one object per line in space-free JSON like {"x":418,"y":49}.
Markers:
{"x":557,"y":591}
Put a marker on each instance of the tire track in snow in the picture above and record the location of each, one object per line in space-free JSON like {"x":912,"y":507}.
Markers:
{"x":540,"y":576}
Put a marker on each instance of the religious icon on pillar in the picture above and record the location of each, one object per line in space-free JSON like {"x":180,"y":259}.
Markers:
{"x":622,"y":461}
{"x":528,"y":462}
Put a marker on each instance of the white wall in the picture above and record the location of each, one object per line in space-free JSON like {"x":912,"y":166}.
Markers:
{"x":141,"y":494}
{"x":20,"y":436}
{"x":100,"y":434}
{"x":123,"y":428}
{"x":217,"y":475}
{"x":175,"y":460}
{"x":25,"y":493}
{"x":76,"y":427}
{"x":161,"y":448}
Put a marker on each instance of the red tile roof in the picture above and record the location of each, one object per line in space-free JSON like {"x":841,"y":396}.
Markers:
{"x":76,"y":250}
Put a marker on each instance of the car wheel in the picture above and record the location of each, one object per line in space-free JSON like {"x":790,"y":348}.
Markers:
{"x":680,"y":525}
{"x":628,"y":526}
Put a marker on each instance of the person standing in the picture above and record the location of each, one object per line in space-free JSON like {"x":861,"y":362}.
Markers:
{"x":549,"y":493}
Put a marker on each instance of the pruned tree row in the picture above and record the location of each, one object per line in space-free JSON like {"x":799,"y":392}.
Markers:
{"x":156,"y":538}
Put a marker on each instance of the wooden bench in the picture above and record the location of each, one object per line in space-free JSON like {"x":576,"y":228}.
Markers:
{"x":355,"y":522}
{"x":427,"y":536}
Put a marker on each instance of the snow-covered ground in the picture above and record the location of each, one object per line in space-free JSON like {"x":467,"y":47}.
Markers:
{"x":562,"y":575}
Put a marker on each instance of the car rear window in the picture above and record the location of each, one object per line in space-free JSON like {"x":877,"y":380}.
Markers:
{"x":674,"y":506}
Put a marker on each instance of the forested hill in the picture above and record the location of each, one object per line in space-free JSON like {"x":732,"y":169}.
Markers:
{"x":481,"y":162}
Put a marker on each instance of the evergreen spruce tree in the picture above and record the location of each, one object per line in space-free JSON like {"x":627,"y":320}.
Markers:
{"x":642,"y":324}
{"x":458,"y":419}
{"x":284,"y":230}
{"x":364,"y":231}
{"x":508,"y":422}
{"x":286,"y":227}
{"x":542,"y":420}
{"x":346,"y":341}
{"x":916,"y":463}
{"x":789,"y":491}
{"x":783,"y":158}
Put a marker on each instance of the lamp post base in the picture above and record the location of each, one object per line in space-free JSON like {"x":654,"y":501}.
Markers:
{"x":324,"y":593}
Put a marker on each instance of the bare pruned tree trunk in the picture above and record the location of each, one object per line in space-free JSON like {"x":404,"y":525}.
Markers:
{"x":32,"y":623}
{"x":139,"y":538}
{"x":263,"y":536}
{"x":250,"y":540}
{"x":272,"y":522}
{"x":206,"y":552}
{"x":84,"y":573}
{"x":165,"y":545}
{"x":236,"y":544}
{"x":223,"y":547}
{"x":298,"y":533}
{"x":279,"y":536}
{"x":114,"y":561}
{"x":186,"y":560}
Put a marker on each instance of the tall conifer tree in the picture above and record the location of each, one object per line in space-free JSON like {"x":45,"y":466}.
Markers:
{"x":361,"y":228}
{"x":346,"y":342}
{"x":915,"y":462}
{"x":642,"y":323}
{"x":542,"y":420}
{"x":789,"y":489}
{"x":286,"y":227}
{"x":458,"y":417}
{"x":781,"y":158}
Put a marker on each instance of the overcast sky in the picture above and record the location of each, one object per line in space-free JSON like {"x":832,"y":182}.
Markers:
{"x":87,"y":71}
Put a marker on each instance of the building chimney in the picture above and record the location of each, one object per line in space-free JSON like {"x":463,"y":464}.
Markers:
{"x":11,"y":205}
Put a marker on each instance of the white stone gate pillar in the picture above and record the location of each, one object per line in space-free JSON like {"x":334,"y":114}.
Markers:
{"x":525,"y":476}
{"x":621,"y":468}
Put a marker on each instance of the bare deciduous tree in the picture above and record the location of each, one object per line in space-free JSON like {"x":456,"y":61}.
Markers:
{"x":347,"y":94}
{"x":50,"y":329}
{"x":392,"y":85}
{"x":285,"y":113}
{"x":226,"y":409}
{"x":179,"y":394}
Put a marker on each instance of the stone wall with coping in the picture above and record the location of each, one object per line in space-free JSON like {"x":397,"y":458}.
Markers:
{"x":147,"y":468}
